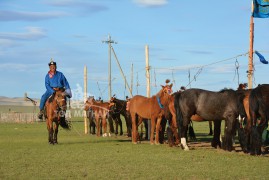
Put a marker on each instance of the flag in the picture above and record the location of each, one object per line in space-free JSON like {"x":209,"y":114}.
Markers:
{"x":262,"y":59}
{"x":260,"y":9}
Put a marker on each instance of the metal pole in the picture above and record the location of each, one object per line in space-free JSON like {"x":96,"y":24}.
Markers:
{"x":85,"y":99}
{"x":109,"y":67}
{"x":122,"y":72}
{"x":109,"y":41}
{"x":132,"y":77}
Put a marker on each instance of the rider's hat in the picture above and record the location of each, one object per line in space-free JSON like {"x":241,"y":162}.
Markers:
{"x":52,"y":62}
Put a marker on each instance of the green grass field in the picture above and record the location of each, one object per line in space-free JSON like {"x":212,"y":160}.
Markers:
{"x":25,"y":154}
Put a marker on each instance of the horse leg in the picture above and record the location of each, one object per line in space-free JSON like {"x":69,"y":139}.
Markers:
{"x":55,"y":139}
{"x":173,"y":125}
{"x":146,"y":125}
{"x":183,"y":132}
{"x":50,"y":130}
{"x":104,"y":125}
{"x":116,"y":124}
{"x":134,"y":128}
{"x":216,"y":135}
{"x":128,"y":121}
{"x":153,"y":122}
{"x":120,"y":124}
{"x":158,"y":124}
{"x":97,"y":119}
{"x":228,"y":134}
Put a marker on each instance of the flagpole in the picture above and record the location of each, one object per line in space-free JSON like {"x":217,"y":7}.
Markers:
{"x":250,"y":54}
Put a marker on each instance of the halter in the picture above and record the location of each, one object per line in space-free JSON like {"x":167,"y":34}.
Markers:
{"x":57,"y":101}
{"x":159,"y":102}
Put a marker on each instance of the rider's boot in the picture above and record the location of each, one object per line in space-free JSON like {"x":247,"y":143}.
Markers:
{"x":40,"y":114}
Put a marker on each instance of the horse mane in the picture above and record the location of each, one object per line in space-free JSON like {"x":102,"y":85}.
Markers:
{"x":226,"y":90}
{"x":51,"y":98}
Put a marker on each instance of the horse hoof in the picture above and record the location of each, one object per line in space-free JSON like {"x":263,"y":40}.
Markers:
{"x":134,"y":142}
{"x":151,"y":143}
{"x":157,"y":143}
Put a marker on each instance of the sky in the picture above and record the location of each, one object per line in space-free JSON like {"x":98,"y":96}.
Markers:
{"x":197,"y":44}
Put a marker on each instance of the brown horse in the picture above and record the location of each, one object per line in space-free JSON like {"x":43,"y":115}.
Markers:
{"x":55,"y":108}
{"x":101,"y":110}
{"x":149,"y":108}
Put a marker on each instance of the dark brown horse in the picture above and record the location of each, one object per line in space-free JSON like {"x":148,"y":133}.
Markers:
{"x":101,"y":110}
{"x":117,"y":108}
{"x":259,"y":112}
{"x":217,"y":106}
{"x":149,"y":108}
{"x":55,"y":109}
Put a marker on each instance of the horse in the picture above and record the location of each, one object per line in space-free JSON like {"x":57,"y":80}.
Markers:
{"x":149,"y":108}
{"x":90,"y":116}
{"x":259,"y":113}
{"x":216,"y":106}
{"x":101,"y":110}
{"x":118,"y":107}
{"x":55,"y":109}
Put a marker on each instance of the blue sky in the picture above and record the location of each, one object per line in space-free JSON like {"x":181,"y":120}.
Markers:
{"x":181,"y":34}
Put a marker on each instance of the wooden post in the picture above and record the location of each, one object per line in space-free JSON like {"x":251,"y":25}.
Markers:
{"x":148,"y":82}
{"x":250,"y":54}
{"x":147,"y":70}
{"x":86,"y":126}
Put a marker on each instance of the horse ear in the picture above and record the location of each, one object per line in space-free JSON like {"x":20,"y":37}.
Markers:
{"x":171,"y":85}
{"x":162,"y":86}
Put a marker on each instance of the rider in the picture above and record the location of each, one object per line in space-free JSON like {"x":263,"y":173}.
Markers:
{"x":53,"y":80}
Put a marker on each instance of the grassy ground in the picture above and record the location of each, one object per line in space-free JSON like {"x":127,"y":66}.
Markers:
{"x":25,"y":154}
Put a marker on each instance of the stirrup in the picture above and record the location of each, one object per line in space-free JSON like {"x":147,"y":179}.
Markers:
{"x":40,"y":115}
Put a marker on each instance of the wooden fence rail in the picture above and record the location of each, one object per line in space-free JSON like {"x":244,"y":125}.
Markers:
{"x":15,"y":117}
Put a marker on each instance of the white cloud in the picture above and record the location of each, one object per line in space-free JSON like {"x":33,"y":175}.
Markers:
{"x":29,"y":16}
{"x":32,"y":33}
{"x":148,"y":3}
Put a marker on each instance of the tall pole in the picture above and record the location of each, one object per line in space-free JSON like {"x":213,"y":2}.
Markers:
{"x":132,"y":77}
{"x":148,"y":82}
{"x":250,"y":54}
{"x":85,"y":99}
{"x":122,"y":72}
{"x":109,"y":41}
{"x":147,"y":70}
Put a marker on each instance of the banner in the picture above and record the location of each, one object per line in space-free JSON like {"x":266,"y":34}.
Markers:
{"x":260,"y":8}
{"x":262,"y":59}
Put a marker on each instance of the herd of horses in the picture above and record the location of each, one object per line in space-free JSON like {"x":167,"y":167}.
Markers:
{"x":245,"y":111}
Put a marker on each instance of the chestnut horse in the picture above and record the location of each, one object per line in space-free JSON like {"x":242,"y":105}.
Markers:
{"x":55,"y":108}
{"x":149,"y":108}
{"x":101,"y":110}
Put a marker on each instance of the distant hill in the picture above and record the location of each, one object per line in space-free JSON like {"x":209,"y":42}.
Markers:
{"x":16,"y":101}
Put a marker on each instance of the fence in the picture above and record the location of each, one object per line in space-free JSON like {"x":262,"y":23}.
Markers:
{"x":19,"y":117}
{"x":16,"y":117}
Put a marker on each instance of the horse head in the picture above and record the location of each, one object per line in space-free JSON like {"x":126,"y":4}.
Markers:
{"x":89,"y":102}
{"x":167,"y":89}
{"x":60,"y":98}
{"x":112,"y":103}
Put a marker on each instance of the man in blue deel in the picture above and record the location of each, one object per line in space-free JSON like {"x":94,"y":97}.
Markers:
{"x":54,"y":79}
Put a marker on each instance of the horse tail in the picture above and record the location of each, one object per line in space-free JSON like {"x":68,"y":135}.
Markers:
{"x":179,"y":117}
{"x":64,"y":123}
{"x":255,"y":104}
